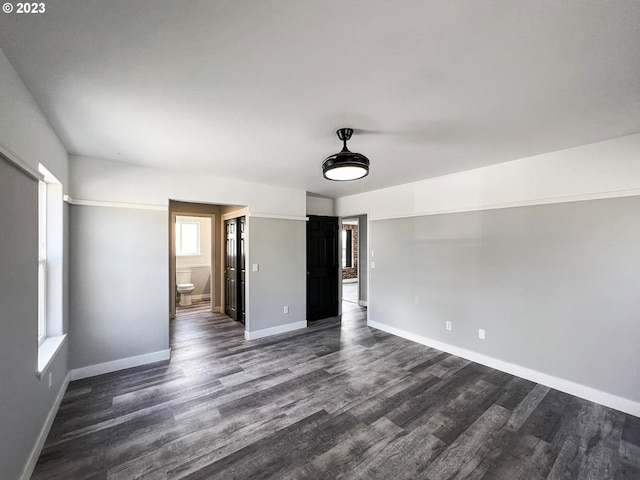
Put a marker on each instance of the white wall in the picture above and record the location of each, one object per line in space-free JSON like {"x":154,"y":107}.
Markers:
{"x":27,"y":404}
{"x":101,"y":180}
{"x":25,"y":132}
{"x":599,"y":170}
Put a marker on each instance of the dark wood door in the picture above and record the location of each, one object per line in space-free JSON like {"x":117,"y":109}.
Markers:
{"x":322,"y":267}
{"x":241,"y":268}
{"x":230,"y":269}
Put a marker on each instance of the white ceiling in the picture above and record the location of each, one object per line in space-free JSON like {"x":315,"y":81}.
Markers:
{"x":256,"y":89}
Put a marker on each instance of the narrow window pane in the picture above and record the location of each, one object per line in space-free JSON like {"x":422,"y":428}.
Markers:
{"x":190,"y":236}
{"x":42,"y":261}
{"x":187,"y":238}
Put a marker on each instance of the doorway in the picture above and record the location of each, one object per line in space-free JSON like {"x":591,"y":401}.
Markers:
{"x":349,"y":243}
{"x":194,"y":260}
{"x":216,"y":215}
{"x":354,"y":259}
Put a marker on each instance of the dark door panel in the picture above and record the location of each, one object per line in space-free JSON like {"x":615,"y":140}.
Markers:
{"x":234,"y":268}
{"x":230,"y":269}
{"x":322,"y":267}
{"x":241,"y":268}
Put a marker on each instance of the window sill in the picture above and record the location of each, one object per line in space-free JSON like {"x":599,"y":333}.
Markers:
{"x":47,"y":350}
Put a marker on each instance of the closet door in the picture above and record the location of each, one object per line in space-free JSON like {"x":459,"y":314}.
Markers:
{"x":230,"y":269}
{"x":241,"y":268}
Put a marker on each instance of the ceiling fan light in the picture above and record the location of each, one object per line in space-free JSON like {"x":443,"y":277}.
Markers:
{"x":345,"y":165}
{"x":345,"y":173}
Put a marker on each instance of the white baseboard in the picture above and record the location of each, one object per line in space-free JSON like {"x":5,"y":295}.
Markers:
{"x":121,"y":364}
{"x":267,"y":332}
{"x":362,"y":303}
{"x":44,"y":433}
{"x":588,"y":393}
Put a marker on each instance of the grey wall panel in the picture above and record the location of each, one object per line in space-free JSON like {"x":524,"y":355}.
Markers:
{"x":279,"y":248}
{"x":25,"y":399}
{"x":119,"y":279}
{"x":554,"y":286}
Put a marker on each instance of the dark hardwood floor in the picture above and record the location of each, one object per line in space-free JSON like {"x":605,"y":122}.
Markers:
{"x":333,"y":401}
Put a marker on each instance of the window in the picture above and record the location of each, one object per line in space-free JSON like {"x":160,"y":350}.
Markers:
{"x":42,"y":262}
{"x":50,"y":268}
{"x":187,"y":238}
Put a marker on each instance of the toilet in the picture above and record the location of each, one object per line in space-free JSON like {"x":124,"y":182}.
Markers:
{"x":185,"y":287}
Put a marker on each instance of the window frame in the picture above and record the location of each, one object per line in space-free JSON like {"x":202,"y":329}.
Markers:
{"x":50,"y":328}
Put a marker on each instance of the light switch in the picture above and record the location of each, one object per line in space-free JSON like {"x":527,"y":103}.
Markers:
{"x":256,"y":267}
{"x":373,"y":253}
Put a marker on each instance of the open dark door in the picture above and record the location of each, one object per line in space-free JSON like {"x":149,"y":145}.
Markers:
{"x":322,"y":267}
{"x":230,"y":269}
{"x":234,"y":268}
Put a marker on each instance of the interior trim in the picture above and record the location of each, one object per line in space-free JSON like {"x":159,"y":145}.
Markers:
{"x":44,"y":432}
{"x":278,"y":217}
{"x":120,"y":364}
{"x":588,"y":393}
{"x":8,"y":157}
{"x":48,"y":350}
{"x":267,"y":332}
{"x":100,"y":203}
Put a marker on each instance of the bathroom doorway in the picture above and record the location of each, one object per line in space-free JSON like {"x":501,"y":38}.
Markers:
{"x":196,"y":253}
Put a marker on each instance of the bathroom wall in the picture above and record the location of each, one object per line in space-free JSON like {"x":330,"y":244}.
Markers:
{"x":200,"y":265}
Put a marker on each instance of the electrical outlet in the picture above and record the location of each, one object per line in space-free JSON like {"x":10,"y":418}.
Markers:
{"x":447,"y":325}
{"x":373,"y":264}
{"x":481,"y":334}
{"x":286,"y":309}
{"x":256,"y":267}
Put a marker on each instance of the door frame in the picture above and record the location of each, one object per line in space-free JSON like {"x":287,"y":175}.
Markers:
{"x":364,"y":246}
{"x":180,"y":212}
{"x":342,"y":220}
